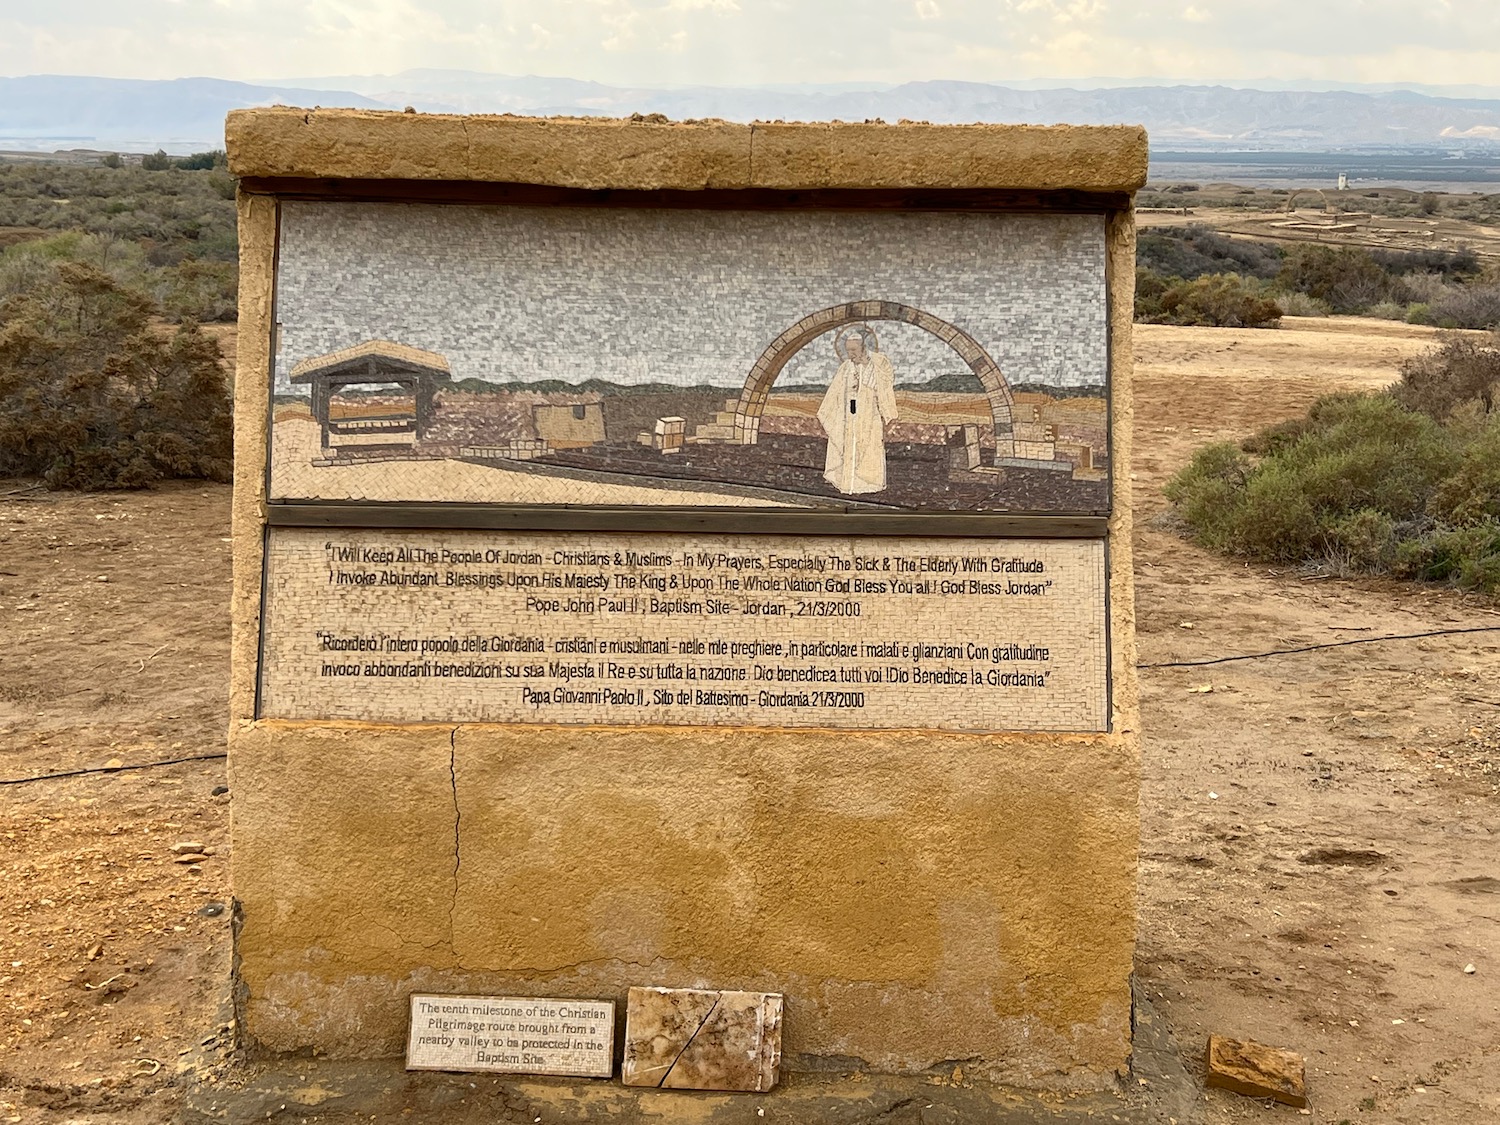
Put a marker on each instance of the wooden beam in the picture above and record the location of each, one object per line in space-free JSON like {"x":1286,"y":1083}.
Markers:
{"x":768,"y":521}
{"x":737,"y":199}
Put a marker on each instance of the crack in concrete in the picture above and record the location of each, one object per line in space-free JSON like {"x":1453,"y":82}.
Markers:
{"x":457,"y":818}
{"x":701,"y":1025}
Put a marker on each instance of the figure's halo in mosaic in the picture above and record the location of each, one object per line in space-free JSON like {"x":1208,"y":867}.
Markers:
{"x":872,"y":341}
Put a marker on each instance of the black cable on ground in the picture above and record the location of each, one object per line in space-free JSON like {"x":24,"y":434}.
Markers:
{"x":1314,"y":648}
{"x":110,"y":769}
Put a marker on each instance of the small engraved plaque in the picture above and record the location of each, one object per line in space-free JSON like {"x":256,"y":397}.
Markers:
{"x":513,"y":1035}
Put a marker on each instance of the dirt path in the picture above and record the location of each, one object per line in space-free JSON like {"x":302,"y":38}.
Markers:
{"x":1319,"y":857}
{"x":113,"y":648}
{"x":1319,"y":854}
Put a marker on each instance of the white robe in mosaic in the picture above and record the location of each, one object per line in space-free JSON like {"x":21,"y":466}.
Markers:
{"x":860,"y":401}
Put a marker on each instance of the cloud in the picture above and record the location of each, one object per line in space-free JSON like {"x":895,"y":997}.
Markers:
{"x":662,"y":42}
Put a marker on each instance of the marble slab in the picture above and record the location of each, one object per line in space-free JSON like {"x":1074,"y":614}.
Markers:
{"x":700,"y":1039}
{"x":414,"y":626}
{"x":512,"y":1035}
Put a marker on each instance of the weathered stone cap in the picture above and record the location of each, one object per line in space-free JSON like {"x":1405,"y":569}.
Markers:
{"x":653,"y":153}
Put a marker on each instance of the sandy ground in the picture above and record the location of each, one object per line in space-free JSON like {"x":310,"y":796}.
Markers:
{"x":1319,"y":860}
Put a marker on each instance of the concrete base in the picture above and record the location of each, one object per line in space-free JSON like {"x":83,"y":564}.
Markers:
{"x":225,"y":1088}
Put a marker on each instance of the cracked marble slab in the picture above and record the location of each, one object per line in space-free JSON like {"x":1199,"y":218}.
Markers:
{"x":701,"y":1039}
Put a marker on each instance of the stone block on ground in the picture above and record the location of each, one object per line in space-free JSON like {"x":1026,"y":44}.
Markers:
{"x":1256,"y":1070}
{"x":700,"y":1039}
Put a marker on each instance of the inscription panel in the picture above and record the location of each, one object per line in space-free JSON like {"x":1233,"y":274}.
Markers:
{"x":619,"y":629}
{"x":512,"y":1035}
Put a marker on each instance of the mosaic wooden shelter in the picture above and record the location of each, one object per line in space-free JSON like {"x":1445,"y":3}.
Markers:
{"x":374,"y":364}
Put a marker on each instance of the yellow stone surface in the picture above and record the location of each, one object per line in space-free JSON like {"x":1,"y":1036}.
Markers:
{"x":1256,"y":1070}
{"x":652,"y":154}
{"x":916,"y":896}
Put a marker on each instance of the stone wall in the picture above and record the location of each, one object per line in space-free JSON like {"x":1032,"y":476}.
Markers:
{"x":919,"y":896}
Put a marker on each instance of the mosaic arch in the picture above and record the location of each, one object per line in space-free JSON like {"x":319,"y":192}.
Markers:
{"x":771,"y":362}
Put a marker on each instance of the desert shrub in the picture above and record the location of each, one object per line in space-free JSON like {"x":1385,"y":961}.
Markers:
{"x":1427,"y":285}
{"x":1223,"y":300}
{"x":157,"y":161}
{"x":1363,"y":540}
{"x":1462,"y":369}
{"x":1405,"y":482}
{"x":1348,"y":279}
{"x":1195,"y":251}
{"x":1149,"y":287}
{"x":202,"y":161}
{"x":1469,"y":306}
{"x":1418,"y":313}
{"x":1387,"y":310}
{"x":1471,"y":494}
{"x":92,"y":397}
{"x":1300,"y":304}
{"x":1357,"y":462}
{"x":200,"y":290}
{"x":1465,"y":556}
{"x":1442,"y":263}
{"x":1208,"y":492}
{"x":133,"y":222}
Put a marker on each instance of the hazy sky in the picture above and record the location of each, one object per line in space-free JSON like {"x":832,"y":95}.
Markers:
{"x":661,"y":42}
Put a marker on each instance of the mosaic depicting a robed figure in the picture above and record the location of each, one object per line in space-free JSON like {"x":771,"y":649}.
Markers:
{"x":508,"y":369}
{"x":860,"y":401}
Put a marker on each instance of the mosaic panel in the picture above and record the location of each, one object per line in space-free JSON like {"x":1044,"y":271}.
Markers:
{"x":574,"y":628}
{"x":862,"y":361}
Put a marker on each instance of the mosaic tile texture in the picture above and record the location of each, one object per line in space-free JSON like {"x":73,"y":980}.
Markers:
{"x":533,"y":355}
{"x":620,"y":629}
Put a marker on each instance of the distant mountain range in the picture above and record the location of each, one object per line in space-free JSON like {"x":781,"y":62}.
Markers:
{"x":47,"y":112}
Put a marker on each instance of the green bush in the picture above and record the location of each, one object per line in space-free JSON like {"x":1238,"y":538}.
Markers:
{"x":1359,"y":452}
{"x":1300,"y":304}
{"x":1363,"y":540}
{"x":1310,"y":280}
{"x":1362,"y":483}
{"x":1208,"y":493}
{"x":1471,"y":494}
{"x":1461,"y":370}
{"x":200,"y":290}
{"x":202,"y":161}
{"x":1466,"y":556}
{"x":1348,"y":279}
{"x":1222,"y":300}
{"x":1196,"y":250}
{"x":92,"y":397}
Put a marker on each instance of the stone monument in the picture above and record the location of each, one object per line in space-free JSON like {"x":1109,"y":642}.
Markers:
{"x":686,"y":555}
